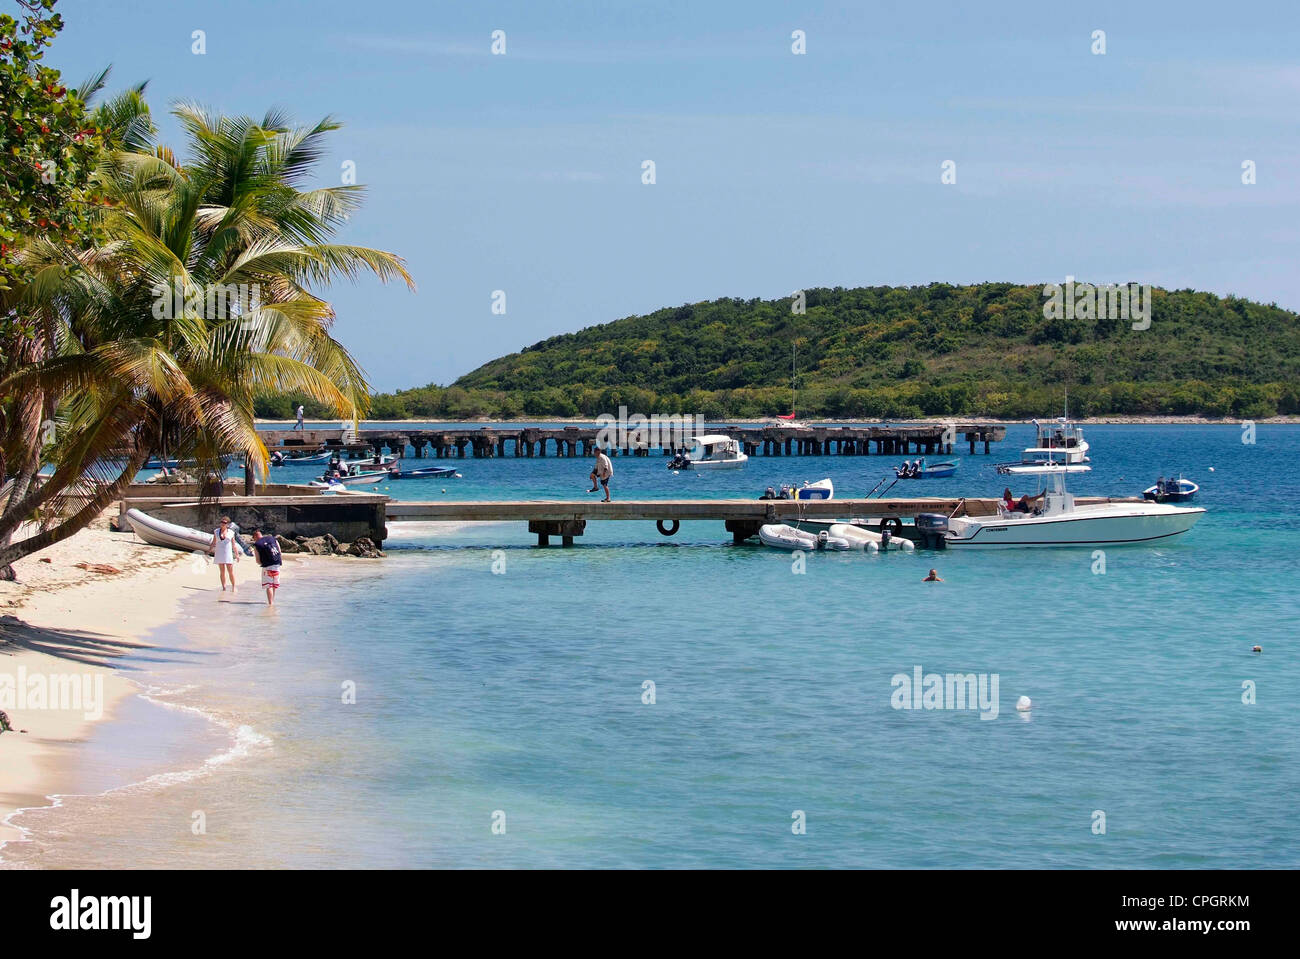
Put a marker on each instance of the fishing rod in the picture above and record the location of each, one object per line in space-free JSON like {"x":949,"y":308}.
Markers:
{"x":888,"y":488}
{"x":876,"y":487}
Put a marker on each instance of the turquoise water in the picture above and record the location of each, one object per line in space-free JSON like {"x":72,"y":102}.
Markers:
{"x":521,"y":691}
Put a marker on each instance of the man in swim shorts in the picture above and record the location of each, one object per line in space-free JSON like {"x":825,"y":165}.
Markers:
{"x":268,"y":557}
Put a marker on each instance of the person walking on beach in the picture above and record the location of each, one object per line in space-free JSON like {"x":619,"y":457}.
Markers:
{"x":601,"y":472}
{"x":300,"y":413}
{"x":223,"y":549}
{"x":268,"y":557}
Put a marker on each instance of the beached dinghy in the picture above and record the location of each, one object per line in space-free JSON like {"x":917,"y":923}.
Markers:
{"x":159,"y":532}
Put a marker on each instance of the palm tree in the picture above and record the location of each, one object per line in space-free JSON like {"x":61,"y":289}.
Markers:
{"x":200,"y":298}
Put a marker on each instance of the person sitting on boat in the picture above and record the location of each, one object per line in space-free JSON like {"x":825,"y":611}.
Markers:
{"x":277,"y":458}
{"x":1020,"y":506}
{"x":394,"y":469}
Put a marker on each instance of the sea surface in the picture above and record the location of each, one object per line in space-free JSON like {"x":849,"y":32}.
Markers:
{"x":474,"y":701}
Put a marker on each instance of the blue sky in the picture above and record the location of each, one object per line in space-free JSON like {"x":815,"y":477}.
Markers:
{"x":774,"y":171}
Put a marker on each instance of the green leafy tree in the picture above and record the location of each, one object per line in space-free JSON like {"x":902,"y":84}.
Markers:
{"x":137,"y":353}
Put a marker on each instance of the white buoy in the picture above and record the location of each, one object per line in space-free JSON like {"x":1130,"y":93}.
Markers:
{"x":1211,"y":469}
{"x":1024,"y":703}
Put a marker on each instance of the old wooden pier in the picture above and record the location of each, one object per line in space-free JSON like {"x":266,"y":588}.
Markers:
{"x":501,"y":440}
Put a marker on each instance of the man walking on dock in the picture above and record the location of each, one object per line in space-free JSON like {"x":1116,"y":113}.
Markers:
{"x":601,"y":472}
{"x":298,"y":425}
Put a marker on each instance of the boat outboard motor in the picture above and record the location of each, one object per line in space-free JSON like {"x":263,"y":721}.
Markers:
{"x":933,"y":530}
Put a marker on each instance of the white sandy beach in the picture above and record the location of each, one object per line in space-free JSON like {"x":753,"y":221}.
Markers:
{"x":59,"y":619}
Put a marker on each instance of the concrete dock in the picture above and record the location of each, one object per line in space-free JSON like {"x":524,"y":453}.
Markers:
{"x":742,"y":517}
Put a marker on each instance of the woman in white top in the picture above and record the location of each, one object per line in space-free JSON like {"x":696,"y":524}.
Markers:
{"x":223,"y":549}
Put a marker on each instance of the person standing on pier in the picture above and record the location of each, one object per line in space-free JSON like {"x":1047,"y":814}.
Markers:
{"x":298,"y":425}
{"x":601,"y":472}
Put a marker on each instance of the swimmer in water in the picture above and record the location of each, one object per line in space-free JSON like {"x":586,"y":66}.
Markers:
{"x":933,"y":577}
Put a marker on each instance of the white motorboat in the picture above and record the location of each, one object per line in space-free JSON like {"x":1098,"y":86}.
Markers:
{"x":1059,"y":521}
{"x":354,"y":479}
{"x":1057,"y":442}
{"x":711,"y":451}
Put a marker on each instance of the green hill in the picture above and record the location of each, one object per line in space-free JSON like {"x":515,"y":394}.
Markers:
{"x":894,"y":353}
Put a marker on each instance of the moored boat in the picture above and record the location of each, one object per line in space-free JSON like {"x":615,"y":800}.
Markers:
{"x":869,"y":540}
{"x":822,"y":489}
{"x":712,"y":451}
{"x":353,"y":479}
{"x":1059,"y":521}
{"x":423,"y":473}
{"x":920,"y":469}
{"x":1060,"y":441}
{"x":1171,"y":491}
{"x":782,"y":536}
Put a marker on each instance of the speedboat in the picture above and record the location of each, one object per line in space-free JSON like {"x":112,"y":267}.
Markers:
{"x":352,"y":479}
{"x":712,"y":451}
{"x":1171,"y":491}
{"x":923,"y":470}
{"x":1060,"y":441}
{"x":423,"y":473}
{"x":1058,"y":521}
{"x":320,"y":456}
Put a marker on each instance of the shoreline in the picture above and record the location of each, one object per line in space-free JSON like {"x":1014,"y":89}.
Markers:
{"x":58,"y":620}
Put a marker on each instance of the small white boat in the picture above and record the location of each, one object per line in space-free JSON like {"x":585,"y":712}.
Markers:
{"x":1171,"y":491}
{"x":781,"y":536}
{"x":869,"y":540}
{"x":712,"y":451}
{"x":822,"y":489}
{"x":356,"y":479}
{"x":159,"y":532}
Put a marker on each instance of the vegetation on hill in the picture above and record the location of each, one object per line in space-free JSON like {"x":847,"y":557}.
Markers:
{"x":894,"y":353}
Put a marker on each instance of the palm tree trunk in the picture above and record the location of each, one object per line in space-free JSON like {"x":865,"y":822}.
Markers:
{"x":74,"y":523}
